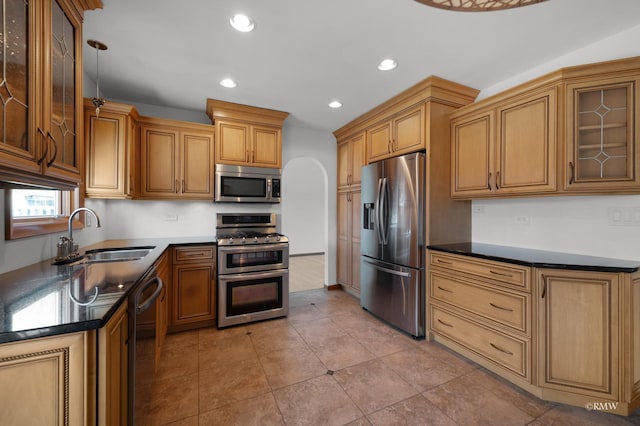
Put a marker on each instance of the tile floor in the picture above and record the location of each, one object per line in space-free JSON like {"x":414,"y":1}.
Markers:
{"x":331,"y":363}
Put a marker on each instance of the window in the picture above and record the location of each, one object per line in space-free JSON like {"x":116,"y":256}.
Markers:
{"x":30,"y":212}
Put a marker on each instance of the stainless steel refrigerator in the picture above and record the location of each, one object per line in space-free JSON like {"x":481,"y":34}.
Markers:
{"x":392,"y":269}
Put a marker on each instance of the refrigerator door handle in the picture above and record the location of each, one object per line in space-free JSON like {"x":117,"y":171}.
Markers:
{"x":387,"y":270}
{"x":383,"y":211}
{"x":379,"y":224}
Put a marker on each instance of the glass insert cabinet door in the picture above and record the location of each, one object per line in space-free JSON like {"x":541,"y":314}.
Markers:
{"x":17,"y":48}
{"x":601,"y":135}
{"x":40,"y":88}
{"x":63,"y":93}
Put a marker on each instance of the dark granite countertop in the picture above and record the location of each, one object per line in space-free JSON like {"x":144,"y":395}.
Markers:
{"x":44,"y":299}
{"x":538,"y":258}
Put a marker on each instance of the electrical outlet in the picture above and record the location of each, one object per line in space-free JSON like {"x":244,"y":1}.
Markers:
{"x":477,"y":209}
{"x":170,"y":217}
{"x":523,"y":220}
{"x":623,"y":216}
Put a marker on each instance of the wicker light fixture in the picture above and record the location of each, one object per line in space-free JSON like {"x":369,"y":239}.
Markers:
{"x":478,"y":5}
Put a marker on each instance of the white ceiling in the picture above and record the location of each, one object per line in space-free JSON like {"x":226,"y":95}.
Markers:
{"x":305,"y":53}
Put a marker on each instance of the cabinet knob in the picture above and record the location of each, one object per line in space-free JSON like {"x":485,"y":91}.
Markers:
{"x":498,"y":180}
{"x":489,"y":182}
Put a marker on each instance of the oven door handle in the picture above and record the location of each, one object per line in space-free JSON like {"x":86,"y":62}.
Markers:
{"x":254,"y":275}
{"x":240,"y":248}
{"x":140,"y":308}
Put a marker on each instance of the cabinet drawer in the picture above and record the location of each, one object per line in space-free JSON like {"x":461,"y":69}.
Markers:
{"x":501,"y":349}
{"x":498,"y":272}
{"x":503,"y":307}
{"x":194,"y":254}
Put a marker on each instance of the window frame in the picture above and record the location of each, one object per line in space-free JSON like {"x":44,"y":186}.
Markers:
{"x":16,"y":228}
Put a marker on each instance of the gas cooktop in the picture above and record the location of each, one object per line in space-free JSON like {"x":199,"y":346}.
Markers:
{"x":250,"y":237}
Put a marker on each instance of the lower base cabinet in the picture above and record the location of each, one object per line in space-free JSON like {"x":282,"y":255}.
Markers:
{"x":113,"y":351}
{"x":193,"y":287}
{"x":44,"y":381}
{"x":588,"y":328}
{"x":571,"y":336}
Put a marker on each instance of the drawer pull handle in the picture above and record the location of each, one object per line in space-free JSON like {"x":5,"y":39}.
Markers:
{"x":194,"y":254}
{"x":444,"y":261}
{"x":445,"y":289}
{"x":502,"y":274}
{"x":500,"y":307}
{"x":444,"y":323}
{"x":500,"y":349}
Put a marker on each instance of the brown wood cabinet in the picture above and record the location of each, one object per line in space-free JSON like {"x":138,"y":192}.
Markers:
{"x":567,"y":132}
{"x":44,"y":381}
{"x":350,"y":161}
{"x":43,"y":144}
{"x":569,"y":336}
{"x":348,"y":250}
{"x":580,"y":335}
{"x":176,"y":160}
{"x":113,"y":353}
{"x":603,"y":121}
{"x":111,"y":141}
{"x":483,"y":309}
{"x":247,"y":135}
{"x":248,"y":145}
{"x":193,"y":287}
{"x":506,"y":148}
{"x":401,"y":134}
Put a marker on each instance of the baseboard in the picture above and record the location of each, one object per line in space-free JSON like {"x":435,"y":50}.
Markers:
{"x":332,"y":286}
{"x":306,"y":254}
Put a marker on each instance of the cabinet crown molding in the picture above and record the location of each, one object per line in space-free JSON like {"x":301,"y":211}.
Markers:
{"x":557,"y":77}
{"x":432,"y":88}
{"x":229,"y":110}
{"x":114,"y":107}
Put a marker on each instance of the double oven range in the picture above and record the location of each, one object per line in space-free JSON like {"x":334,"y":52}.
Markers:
{"x":253,"y":268}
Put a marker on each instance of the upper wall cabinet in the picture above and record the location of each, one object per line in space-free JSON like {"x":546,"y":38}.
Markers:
{"x":111,"y":141}
{"x":41,"y":138}
{"x":176,"y":160}
{"x":507,"y":148}
{"x":571,"y":131}
{"x":403,"y":133}
{"x":246,"y":135}
{"x":350,"y":161}
{"x":602,"y":132}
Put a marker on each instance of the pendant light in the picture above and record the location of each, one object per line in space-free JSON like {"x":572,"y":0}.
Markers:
{"x":97,"y":102}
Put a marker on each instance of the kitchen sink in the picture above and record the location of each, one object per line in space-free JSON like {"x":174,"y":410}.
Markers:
{"x":117,"y":254}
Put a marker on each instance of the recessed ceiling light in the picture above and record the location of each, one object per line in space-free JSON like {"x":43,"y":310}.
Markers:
{"x":242,"y":23}
{"x":387,"y":64}
{"x":227,"y":82}
{"x":335,"y":104}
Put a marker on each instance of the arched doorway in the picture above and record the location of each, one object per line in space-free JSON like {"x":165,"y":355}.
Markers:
{"x":304,"y":221}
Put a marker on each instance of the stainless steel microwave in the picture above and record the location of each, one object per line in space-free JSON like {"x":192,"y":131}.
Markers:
{"x":245,"y":184}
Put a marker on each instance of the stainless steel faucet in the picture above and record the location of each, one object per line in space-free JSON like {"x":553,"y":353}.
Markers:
{"x":67,"y":250}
